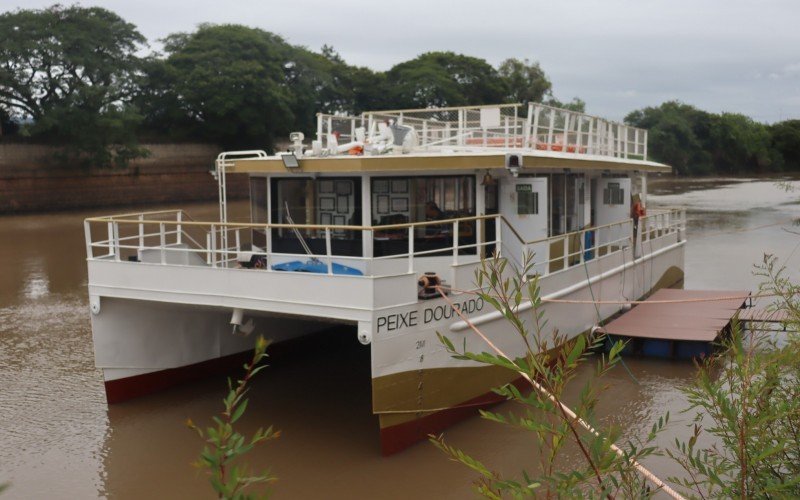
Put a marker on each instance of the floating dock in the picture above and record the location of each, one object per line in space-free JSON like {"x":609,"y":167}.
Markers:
{"x":675,"y":323}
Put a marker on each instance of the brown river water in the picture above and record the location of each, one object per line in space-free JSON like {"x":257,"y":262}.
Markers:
{"x":59,"y":438}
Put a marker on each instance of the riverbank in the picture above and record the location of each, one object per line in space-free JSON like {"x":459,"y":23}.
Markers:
{"x":32,"y":181}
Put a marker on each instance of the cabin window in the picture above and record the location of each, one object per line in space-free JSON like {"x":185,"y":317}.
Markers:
{"x":527,"y":200}
{"x":402,"y":200}
{"x":325,"y":201}
{"x":613,"y":194}
{"x":258,"y":200}
{"x":258,"y":209}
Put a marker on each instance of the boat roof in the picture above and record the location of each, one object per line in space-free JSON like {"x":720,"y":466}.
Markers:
{"x":457,"y":138}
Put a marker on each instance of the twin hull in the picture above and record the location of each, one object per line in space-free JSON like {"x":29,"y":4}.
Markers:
{"x":144,"y":345}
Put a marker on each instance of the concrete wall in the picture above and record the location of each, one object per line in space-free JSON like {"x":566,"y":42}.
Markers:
{"x":31,"y":179}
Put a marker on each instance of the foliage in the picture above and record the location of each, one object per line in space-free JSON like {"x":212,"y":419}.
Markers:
{"x":676,"y":135}
{"x":576,"y":104}
{"x":603,"y":471}
{"x":525,"y":81}
{"x":223,"y":84}
{"x":441,"y":79}
{"x":226,"y":446}
{"x":698,"y":142}
{"x":785,"y":138}
{"x":748,"y":399}
{"x":73,"y":71}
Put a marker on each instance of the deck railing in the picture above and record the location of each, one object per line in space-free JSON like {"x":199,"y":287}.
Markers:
{"x":173,"y":238}
{"x":534,"y":126}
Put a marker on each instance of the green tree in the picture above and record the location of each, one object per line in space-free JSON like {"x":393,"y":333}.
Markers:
{"x":7,"y":125}
{"x":576,"y":104}
{"x":739,"y":144}
{"x":525,"y":81}
{"x":73,"y":71}
{"x":785,"y":140}
{"x":440,"y":79}
{"x":676,"y":136}
{"x":223,"y":84}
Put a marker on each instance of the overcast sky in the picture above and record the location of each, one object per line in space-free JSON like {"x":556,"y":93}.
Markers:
{"x":617,"y":55}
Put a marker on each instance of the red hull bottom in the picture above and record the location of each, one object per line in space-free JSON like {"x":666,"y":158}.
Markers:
{"x":399,"y":437}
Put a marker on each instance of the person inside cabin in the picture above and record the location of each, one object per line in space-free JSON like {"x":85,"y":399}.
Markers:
{"x":637,"y":211}
{"x":433,"y":212}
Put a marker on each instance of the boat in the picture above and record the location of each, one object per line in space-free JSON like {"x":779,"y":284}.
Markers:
{"x":353,"y":226}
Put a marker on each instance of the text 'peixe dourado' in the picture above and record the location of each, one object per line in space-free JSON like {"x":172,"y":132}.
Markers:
{"x":408,"y":319}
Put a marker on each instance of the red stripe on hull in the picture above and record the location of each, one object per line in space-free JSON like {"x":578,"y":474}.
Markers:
{"x":136,"y":386}
{"x":399,"y":437}
{"x":127,"y":388}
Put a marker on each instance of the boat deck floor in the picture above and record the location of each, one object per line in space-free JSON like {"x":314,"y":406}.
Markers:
{"x":682,"y":315}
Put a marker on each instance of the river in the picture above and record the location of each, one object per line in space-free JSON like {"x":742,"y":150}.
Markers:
{"x":59,"y":438}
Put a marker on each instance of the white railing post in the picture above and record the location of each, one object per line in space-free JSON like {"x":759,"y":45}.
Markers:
{"x":110,"y":240}
{"x":566,"y":251}
{"x":498,"y":235}
{"x":163,"y":239}
{"x":213,"y":248}
{"x":87,"y":234}
{"x":141,"y":232}
{"x":238,"y":241}
{"x":116,"y":241}
{"x":455,"y":243}
{"x":268,"y":242}
{"x":581,"y":246}
{"x":480,"y":248}
{"x":208,"y":248}
{"x":328,"y":257}
{"x":410,"y":249}
{"x":179,"y":230}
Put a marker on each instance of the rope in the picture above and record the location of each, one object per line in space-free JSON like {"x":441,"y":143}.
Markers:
{"x":635,"y":302}
{"x":565,"y":409}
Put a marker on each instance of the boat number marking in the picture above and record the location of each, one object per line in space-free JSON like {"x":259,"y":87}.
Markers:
{"x":420,"y":344}
{"x":408,"y":319}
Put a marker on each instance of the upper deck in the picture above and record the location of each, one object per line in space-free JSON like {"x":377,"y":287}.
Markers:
{"x":462,"y":137}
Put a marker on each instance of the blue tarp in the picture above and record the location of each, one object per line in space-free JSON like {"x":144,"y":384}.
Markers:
{"x":315,"y":266}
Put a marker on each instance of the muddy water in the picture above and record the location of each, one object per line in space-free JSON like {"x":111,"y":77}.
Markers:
{"x":59,"y":439}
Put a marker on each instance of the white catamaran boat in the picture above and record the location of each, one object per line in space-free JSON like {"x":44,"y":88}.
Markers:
{"x":347,"y":228}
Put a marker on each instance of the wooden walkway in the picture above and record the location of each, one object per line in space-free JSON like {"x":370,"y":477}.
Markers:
{"x":680,"y":315}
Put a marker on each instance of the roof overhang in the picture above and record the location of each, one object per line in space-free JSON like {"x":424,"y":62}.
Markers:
{"x":544,"y":160}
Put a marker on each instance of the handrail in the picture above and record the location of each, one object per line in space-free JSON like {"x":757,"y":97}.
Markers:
{"x":318,"y":227}
{"x":171,"y":235}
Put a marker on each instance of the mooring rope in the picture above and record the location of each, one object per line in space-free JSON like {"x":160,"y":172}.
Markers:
{"x":565,"y":409}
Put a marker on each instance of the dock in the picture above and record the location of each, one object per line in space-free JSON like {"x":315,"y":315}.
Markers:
{"x":675,"y":323}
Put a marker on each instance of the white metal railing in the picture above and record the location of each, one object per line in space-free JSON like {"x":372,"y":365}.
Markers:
{"x":537,"y":127}
{"x":173,"y":238}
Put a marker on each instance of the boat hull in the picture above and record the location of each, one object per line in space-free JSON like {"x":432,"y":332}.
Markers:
{"x":418,"y":388}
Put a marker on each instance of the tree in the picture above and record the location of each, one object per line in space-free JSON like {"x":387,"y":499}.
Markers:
{"x":7,"y":125}
{"x":72,"y":71}
{"x":440,"y":79}
{"x":677,"y":134}
{"x":738,"y":144}
{"x":223,"y":84}
{"x":525,"y":81}
{"x":576,"y":104}
{"x":785,"y":140}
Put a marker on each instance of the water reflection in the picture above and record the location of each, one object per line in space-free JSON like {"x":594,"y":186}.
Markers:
{"x":54,"y":422}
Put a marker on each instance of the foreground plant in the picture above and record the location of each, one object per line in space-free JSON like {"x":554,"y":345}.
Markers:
{"x":605,"y":470}
{"x":748,"y":399}
{"x":226,"y":446}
